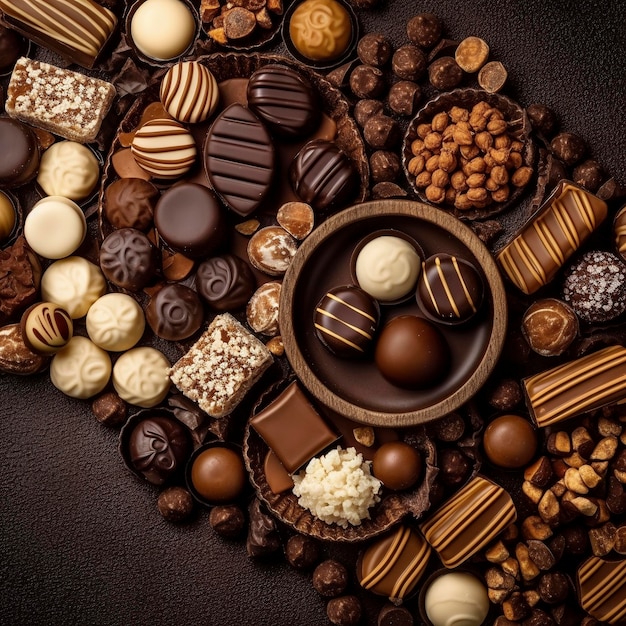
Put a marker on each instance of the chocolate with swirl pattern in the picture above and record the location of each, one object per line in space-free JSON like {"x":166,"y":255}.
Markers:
{"x":175,"y":312}
{"x":225,"y":282}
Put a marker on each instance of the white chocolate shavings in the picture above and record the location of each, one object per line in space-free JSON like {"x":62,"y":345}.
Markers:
{"x":221,"y":367}
{"x":61,"y":101}
{"x":338,"y":487}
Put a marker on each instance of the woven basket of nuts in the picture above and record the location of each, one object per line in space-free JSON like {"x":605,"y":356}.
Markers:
{"x":469,"y":152}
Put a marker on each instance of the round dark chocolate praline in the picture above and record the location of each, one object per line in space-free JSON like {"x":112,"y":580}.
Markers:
{"x":19,"y":153}
{"x":510,"y":441}
{"x":346,"y":320}
{"x":128,"y":259}
{"x":217,"y":474}
{"x":130,"y":202}
{"x":449,"y":289}
{"x":225,"y":282}
{"x":412,"y":353}
{"x":158,"y":448}
{"x":285,"y":100}
{"x":397,"y":464}
{"x":190,"y":219}
{"x":175,"y":312}
{"x":323,"y":176}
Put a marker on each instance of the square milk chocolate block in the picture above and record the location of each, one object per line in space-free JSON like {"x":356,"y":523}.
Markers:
{"x":221,"y":367}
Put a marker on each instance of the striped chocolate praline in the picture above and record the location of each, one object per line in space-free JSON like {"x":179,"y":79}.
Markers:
{"x":46,"y":327}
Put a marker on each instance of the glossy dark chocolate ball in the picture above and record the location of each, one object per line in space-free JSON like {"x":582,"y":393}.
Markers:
{"x":510,"y":441}
{"x":346,"y":320}
{"x":397,"y":464}
{"x":218,"y":474}
{"x":412,"y":353}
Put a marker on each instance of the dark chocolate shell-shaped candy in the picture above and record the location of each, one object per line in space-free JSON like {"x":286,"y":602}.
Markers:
{"x":284,"y":100}
{"x":239,"y":159}
{"x":225,"y":282}
{"x":323,"y":176}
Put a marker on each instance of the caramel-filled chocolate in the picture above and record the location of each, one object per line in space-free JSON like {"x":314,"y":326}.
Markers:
{"x":600,"y":586}
{"x":76,"y":30}
{"x":560,"y":227}
{"x":582,"y":385}
{"x":469,"y":520}
{"x":293,"y":429}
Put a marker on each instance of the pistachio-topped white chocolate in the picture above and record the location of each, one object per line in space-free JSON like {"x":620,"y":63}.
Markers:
{"x":115,"y":322}
{"x":141,"y":376}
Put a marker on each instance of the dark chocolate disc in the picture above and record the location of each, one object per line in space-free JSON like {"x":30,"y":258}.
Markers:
{"x":323,"y":176}
{"x":346,"y":320}
{"x":225,"y":282}
{"x":128,"y":259}
{"x":449,"y":289}
{"x":129,"y":203}
{"x":175,"y":312}
{"x":19,"y":153}
{"x":190,"y":219}
{"x":284,"y":100}
{"x":239,"y":157}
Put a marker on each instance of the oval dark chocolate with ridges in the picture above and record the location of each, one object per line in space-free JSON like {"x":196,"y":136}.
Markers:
{"x":346,"y":320}
{"x":449,"y":289}
{"x":323,"y":176}
{"x":239,"y":159}
{"x":225,"y":282}
{"x":284,"y":100}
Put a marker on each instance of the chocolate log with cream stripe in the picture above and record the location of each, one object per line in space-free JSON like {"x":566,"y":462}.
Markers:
{"x":601,"y":584}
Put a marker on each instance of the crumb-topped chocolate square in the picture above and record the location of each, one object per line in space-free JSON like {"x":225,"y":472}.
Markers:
{"x":221,"y":367}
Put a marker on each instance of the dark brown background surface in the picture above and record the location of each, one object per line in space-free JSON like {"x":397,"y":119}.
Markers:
{"x":81,"y":541}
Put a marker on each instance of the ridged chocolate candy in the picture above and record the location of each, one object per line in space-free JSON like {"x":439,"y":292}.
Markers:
{"x":129,"y":203}
{"x":240,"y":159}
{"x":285,"y":100}
{"x":225,"y":282}
{"x":46,"y":328}
{"x":346,"y":320}
{"x":175,"y":312}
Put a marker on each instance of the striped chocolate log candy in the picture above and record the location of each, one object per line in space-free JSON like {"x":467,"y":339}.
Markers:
{"x":601,"y":588}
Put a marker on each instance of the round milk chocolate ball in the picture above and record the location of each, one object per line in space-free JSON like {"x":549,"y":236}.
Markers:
{"x":218,"y":474}
{"x":510,"y":441}
{"x":412,"y":353}
{"x":397,"y":464}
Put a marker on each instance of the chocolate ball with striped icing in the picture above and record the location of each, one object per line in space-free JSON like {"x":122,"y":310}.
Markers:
{"x":189,"y":92}
{"x":449,"y":289}
{"x":46,"y":328}
{"x":346,"y":320}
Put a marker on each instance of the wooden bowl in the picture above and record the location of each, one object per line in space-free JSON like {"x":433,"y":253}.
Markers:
{"x":356,"y":389}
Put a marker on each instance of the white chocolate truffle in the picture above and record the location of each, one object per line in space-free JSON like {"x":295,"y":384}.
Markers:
{"x":81,"y":369}
{"x":387,"y":268}
{"x":458,"y":599}
{"x":115,"y":322}
{"x":141,"y":376}
{"x":163,"y":29}
{"x":55,"y":227}
{"x":46,"y":328}
{"x":189,"y":92}
{"x":73,"y":283}
{"x":68,"y":169}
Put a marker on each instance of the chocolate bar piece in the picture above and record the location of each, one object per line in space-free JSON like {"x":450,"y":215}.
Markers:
{"x":469,"y":520}
{"x":77,"y":30}
{"x":63,"y":102}
{"x":559,"y":228}
{"x":600,"y":586}
{"x":587,"y":383}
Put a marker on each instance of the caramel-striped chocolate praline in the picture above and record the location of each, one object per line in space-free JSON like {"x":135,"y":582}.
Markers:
{"x":189,"y":92}
{"x":394,"y":564}
{"x":469,"y":520}
{"x":619,"y":232}
{"x":46,"y":327}
{"x":564,"y":222}
{"x":601,"y":584}
{"x":587,"y":383}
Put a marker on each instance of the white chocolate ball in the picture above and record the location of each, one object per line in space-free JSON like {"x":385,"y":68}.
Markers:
{"x":115,"y":322}
{"x":141,"y":376}
{"x":456,"y":599}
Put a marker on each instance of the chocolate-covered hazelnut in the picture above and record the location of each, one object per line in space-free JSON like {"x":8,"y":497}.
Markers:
{"x":588,"y":174}
{"x":227,"y":520}
{"x":386,"y":189}
{"x":397,"y":465}
{"x":424,"y":29}
{"x":175,"y":504}
{"x":330,"y":578}
{"x":409,"y":62}
{"x":404,"y":97}
{"x":445,"y":74}
{"x":392,"y":615}
{"x":454,"y":467}
{"x":449,"y":428}
{"x":553,"y":587}
{"x":109,"y":409}
{"x":510,"y":441}
{"x":302,"y":552}
{"x":374,"y":49}
{"x":550,"y":326}
{"x":576,"y":540}
{"x":217,"y":474}
{"x":384,"y":165}
{"x":569,"y":147}
{"x":344,"y":611}
{"x":542,"y":119}
{"x":364,"y":109}
{"x":367,"y":81}
{"x":382,"y":132}
{"x":505,"y":395}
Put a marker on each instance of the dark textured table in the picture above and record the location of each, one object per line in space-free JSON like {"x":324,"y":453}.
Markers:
{"x":81,"y":541}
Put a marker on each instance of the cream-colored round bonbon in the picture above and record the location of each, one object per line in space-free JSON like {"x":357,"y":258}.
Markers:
{"x":115,"y":322}
{"x":55,"y":227}
{"x":456,"y":598}
{"x":81,"y":369}
{"x":73,"y":283}
{"x":141,"y":376}
{"x":68,"y":169}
